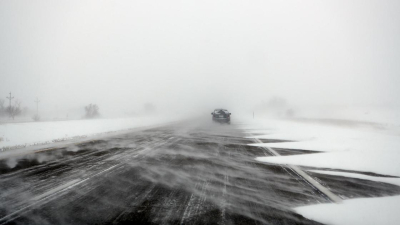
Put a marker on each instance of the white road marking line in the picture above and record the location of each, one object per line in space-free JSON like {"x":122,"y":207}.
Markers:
{"x":334,"y":198}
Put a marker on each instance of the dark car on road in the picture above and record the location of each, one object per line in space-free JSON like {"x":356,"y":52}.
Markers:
{"x":221,"y":115}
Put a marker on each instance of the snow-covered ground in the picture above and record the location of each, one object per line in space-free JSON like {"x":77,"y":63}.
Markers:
{"x":365,"y":211}
{"x":389,"y":180}
{"x":347,"y":145}
{"x":359,"y":147}
{"x":30,"y":133}
{"x":383,"y":115}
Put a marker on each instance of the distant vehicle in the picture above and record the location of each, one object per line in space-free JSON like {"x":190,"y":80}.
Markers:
{"x":221,"y":115}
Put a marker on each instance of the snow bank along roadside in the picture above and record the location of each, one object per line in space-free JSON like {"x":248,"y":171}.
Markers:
{"x":389,"y":180}
{"x":356,"y":147}
{"x":366,"y":211}
{"x":19,"y":135}
{"x":383,"y":115}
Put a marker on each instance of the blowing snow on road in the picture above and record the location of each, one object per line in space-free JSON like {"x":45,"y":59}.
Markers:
{"x":199,"y":112}
{"x":181,"y":173}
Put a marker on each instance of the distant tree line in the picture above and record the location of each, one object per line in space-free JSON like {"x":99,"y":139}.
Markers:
{"x":14,"y":109}
{"x":11,"y":110}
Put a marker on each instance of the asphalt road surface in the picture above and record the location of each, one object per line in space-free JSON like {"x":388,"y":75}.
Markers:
{"x":195,"y":172}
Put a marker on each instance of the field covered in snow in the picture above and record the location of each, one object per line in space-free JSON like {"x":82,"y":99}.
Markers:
{"x":348,"y":146}
{"x":388,"y":116}
{"x":359,"y":147}
{"x":365,"y":211}
{"x":32,"y":133}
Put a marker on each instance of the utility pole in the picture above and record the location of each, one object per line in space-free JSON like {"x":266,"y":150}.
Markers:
{"x":9,"y":105}
{"x":10,"y":98}
{"x":37,"y":106}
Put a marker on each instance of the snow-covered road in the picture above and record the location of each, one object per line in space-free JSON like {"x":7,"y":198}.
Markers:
{"x":187,"y":173}
{"x":192,"y":172}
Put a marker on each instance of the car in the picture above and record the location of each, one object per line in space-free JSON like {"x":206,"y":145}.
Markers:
{"x":221,"y":115}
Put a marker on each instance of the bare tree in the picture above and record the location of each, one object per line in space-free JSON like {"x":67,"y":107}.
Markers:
{"x":36,"y":117}
{"x":15,"y":110}
{"x":92,"y":111}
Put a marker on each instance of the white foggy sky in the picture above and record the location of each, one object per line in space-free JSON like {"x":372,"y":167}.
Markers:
{"x":199,"y":53}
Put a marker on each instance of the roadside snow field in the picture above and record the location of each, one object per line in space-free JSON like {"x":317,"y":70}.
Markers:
{"x":365,"y":211}
{"x":13,"y":134}
{"x":355,"y":146}
{"x":358,"y":146}
{"x":383,"y":115}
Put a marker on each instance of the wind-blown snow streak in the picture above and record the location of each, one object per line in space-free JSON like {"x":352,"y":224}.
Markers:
{"x":389,"y":180}
{"x":331,"y":196}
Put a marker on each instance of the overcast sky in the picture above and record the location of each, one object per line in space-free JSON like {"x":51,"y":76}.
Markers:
{"x":187,"y":54}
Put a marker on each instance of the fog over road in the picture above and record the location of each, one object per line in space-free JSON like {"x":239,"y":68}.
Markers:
{"x":193,"y":172}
